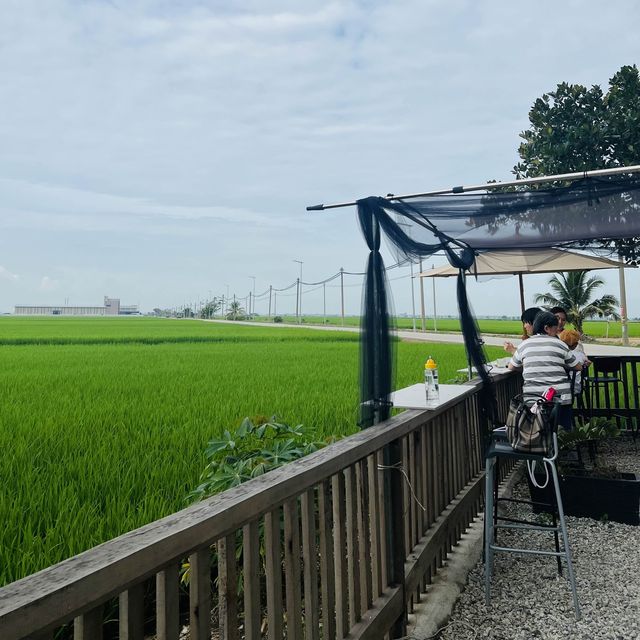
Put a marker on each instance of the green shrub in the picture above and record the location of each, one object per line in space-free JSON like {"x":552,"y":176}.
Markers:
{"x":250,"y":451}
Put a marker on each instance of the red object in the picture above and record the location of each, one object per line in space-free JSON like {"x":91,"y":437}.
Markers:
{"x":549,"y":394}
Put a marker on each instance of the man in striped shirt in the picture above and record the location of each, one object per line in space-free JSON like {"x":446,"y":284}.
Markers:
{"x":545,"y":361}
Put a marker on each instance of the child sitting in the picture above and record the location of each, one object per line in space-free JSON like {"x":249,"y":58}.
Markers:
{"x":572,"y":339}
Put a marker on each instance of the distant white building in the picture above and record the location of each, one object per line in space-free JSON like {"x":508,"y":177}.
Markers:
{"x":112,"y":307}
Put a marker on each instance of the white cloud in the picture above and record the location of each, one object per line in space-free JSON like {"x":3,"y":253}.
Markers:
{"x":5,"y":274}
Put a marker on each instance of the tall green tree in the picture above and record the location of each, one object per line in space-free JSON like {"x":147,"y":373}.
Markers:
{"x":576,"y":128}
{"x":211,"y":308}
{"x":573,"y":291}
{"x":236,"y":311}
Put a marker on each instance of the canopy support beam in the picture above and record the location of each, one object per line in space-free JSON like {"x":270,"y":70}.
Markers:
{"x":521,"y":283}
{"x":492,"y":185}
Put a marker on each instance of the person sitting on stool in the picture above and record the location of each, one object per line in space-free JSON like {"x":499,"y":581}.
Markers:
{"x":544,"y":361}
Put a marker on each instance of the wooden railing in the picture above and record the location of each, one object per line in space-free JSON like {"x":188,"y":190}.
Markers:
{"x":325,"y":547}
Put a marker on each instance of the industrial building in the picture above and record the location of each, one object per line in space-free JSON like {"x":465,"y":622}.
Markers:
{"x":111,"y":307}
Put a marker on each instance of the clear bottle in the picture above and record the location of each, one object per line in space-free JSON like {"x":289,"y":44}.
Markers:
{"x":431,"y":383}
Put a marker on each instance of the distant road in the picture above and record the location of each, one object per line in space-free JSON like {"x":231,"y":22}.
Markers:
{"x":451,"y":338}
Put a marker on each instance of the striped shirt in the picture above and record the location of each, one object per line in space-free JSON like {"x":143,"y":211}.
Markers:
{"x":544,"y":361}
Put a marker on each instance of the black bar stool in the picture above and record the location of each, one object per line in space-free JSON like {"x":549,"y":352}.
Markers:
{"x":499,"y":447}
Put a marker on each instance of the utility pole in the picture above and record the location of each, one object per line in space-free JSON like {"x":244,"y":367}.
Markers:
{"x":435,"y":314}
{"x":270,"y":291}
{"x":253,"y":299}
{"x":249,"y":305}
{"x":422,"y":319}
{"x":623,"y":307}
{"x":324,"y":303}
{"x":413,"y":299}
{"x":299,"y":306}
{"x":342,"y":293}
{"x":298,"y":300}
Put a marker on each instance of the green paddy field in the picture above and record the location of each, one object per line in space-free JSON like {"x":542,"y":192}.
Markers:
{"x":103,"y":422}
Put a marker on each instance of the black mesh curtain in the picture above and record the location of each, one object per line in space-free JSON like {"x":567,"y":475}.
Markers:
{"x":462,"y":225}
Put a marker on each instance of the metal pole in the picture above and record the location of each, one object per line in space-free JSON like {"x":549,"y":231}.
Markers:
{"x":422,"y":323}
{"x":253,"y":300}
{"x":270,"y":290}
{"x":435,"y":314}
{"x":250,"y":305}
{"x":623,"y":307}
{"x":297,"y":300}
{"x":413,"y":299}
{"x":324,"y":303}
{"x":493,"y":185}
{"x":342,"y":293}
{"x":299,"y":304}
{"x":521,"y":283}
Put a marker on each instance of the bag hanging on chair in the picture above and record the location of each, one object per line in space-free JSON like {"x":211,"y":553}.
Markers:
{"x":530,"y":431}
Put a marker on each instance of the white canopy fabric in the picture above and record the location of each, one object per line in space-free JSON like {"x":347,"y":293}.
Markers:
{"x":520,"y":261}
{"x":527,"y":261}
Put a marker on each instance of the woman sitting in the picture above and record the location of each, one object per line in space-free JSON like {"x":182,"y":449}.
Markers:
{"x":527,"y":318}
{"x":545,"y":360}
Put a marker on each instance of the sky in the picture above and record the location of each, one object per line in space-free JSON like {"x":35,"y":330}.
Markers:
{"x":164,"y":152}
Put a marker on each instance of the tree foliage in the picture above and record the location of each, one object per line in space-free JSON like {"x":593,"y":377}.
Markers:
{"x":576,"y":128}
{"x":250,"y":451}
{"x":236,"y":311}
{"x":210,"y":309}
{"x":573,"y":291}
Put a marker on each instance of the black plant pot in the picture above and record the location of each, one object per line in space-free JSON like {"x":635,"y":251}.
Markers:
{"x":590,"y":496}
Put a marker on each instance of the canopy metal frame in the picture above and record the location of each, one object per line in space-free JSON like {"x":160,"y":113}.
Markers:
{"x":561,"y":177}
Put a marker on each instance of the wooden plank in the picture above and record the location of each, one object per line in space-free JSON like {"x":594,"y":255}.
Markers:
{"x":339,"y":548}
{"x":394,"y":489}
{"x":88,"y":626}
{"x":424,"y":481}
{"x":273,"y":570}
{"x":310,"y":564}
{"x":411,"y":474}
{"x":364,"y":545}
{"x":374,"y":526}
{"x":432,"y":544}
{"x":251,"y":571}
{"x":353,"y":564}
{"x":228,"y":588}
{"x":168,"y":603}
{"x":406,"y":507}
{"x":380,"y":618}
{"x":384,"y":572}
{"x":131,"y":613}
{"x":292,"y":570}
{"x":200,"y":594}
{"x":327,"y":576}
{"x":431,"y":474}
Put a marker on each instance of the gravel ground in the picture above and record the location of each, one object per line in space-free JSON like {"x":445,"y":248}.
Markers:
{"x":529,"y":599}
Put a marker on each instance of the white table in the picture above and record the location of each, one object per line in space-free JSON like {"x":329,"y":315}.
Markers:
{"x":415,"y":397}
{"x":494,"y":368}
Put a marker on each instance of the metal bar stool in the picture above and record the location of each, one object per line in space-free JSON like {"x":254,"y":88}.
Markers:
{"x":499,"y":447}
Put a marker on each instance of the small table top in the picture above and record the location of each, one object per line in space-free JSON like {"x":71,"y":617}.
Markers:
{"x":415,"y":397}
{"x":494,"y":368}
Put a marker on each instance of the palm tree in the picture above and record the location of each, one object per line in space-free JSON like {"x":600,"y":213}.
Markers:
{"x":235,"y":311}
{"x":573,"y":291}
